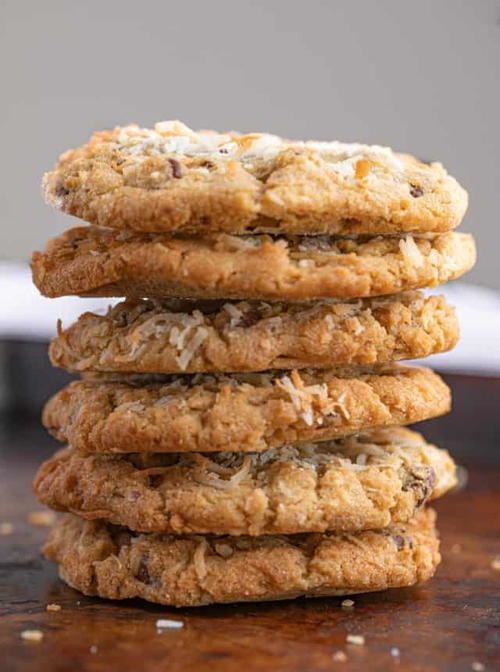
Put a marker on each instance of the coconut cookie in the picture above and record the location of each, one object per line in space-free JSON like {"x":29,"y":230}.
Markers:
{"x":195,"y":336}
{"x":240,"y":413}
{"x":367,"y":481}
{"x":89,"y":261}
{"x":100,"y":559}
{"x":171,"y":178}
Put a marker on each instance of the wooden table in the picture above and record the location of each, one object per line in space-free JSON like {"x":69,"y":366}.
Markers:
{"x":448,"y":624}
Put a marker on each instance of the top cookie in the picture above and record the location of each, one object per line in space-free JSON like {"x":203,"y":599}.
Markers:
{"x":171,"y":178}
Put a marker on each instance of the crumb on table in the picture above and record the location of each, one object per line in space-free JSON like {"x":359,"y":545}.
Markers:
{"x":42,"y":518}
{"x":32,"y":635}
{"x":53,"y":607}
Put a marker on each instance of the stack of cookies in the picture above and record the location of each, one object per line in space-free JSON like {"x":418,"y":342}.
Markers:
{"x":237,"y":430}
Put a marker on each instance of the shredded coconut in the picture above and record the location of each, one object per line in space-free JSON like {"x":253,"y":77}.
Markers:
{"x":199,"y":559}
{"x":313,"y":397}
{"x":235,"y":314}
{"x":190,"y":349}
{"x":252,"y":148}
{"x":210,"y":471}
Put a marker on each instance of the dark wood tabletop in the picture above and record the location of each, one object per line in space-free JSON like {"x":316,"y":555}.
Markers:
{"x":452,"y":623}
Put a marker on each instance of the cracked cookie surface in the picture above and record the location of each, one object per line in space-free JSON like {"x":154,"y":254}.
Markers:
{"x":100,"y":559}
{"x":89,"y":261}
{"x":240,"y":413}
{"x":194,"y":336}
{"x":171,"y":178}
{"x":367,"y":481}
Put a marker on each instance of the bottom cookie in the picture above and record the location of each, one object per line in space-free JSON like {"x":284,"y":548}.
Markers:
{"x":111,"y":562}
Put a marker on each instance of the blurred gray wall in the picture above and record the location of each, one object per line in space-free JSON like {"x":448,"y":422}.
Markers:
{"x":420,"y":76}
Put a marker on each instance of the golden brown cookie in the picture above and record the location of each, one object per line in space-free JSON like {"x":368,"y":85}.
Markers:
{"x":367,"y":481}
{"x":210,"y":336}
{"x":240,"y":413}
{"x":89,"y":261}
{"x":98,"y":558}
{"x":171,"y":178}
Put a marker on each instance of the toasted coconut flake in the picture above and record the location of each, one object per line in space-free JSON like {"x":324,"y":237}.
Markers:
{"x":199,"y":559}
{"x":189,"y":351}
{"x":210,"y":472}
{"x":308,"y":399}
{"x":235,"y":314}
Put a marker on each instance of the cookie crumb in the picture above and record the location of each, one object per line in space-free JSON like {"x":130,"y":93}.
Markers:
{"x":42,"y":518}
{"x":339,"y":657}
{"x":162,"y":623}
{"x":477,"y":666}
{"x":456,"y":548}
{"x":32,"y":635}
{"x":347,"y":604}
{"x":6,"y":528}
{"x":53,"y":607}
{"x":359,"y":640}
{"x":395,"y":652}
{"x":93,"y":649}
{"x":495,"y":563}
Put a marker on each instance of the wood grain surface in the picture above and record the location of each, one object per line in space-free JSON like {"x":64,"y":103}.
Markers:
{"x":452,"y":623}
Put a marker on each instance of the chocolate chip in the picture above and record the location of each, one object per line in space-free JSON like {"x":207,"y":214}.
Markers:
{"x":121,"y":319}
{"x":155,"y":480}
{"x":249,"y":318}
{"x":399,"y":541}
{"x":415,"y":191}
{"x":207,"y":164}
{"x":422,"y":483}
{"x":61,"y":190}
{"x":142,"y":573}
{"x":176,"y":168}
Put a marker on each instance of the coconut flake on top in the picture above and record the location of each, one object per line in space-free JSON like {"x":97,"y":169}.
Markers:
{"x":177,"y":138}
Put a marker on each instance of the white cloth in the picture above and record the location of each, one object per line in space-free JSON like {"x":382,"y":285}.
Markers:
{"x":26,"y":315}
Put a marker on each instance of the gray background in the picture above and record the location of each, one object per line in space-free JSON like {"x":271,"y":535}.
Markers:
{"x":420,"y":76}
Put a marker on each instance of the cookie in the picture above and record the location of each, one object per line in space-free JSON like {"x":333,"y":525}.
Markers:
{"x":212,"y":336}
{"x":240,"y":413}
{"x":100,"y":559}
{"x":98,"y":262}
{"x":363,"y":482}
{"x":174,"y":179}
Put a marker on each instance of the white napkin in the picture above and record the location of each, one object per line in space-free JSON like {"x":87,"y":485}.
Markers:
{"x":26,"y":315}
